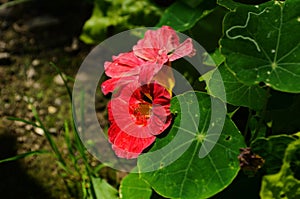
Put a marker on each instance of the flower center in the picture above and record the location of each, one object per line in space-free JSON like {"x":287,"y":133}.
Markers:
{"x":142,"y":112}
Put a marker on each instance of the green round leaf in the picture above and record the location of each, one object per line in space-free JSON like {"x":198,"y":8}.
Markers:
{"x":237,"y":93}
{"x":272,"y":150}
{"x":133,"y":187}
{"x":262,"y":44}
{"x":193,"y":175}
{"x":182,"y":17}
{"x":103,"y":189}
{"x":285,"y":183}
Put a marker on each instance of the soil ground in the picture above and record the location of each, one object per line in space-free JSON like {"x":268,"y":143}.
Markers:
{"x":32,"y":35}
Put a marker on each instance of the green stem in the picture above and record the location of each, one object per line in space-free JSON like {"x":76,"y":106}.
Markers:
{"x":262,"y":116}
{"x":247,"y":125}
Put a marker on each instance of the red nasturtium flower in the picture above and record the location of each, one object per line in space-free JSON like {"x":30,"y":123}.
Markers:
{"x":136,"y":116}
{"x":162,"y":45}
{"x":158,"y":47}
{"x":140,"y":109}
{"x":125,"y":66}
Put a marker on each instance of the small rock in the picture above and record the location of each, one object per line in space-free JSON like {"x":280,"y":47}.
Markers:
{"x":30,"y":73}
{"x":29,"y":106}
{"x":52,"y":109}
{"x":19,"y":123}
{"x":28,"y":127}
{"x":32,"y":41}
{"x":35,"y":147}
{"x":6,"y":105}
{"x":25,"y":98}
{"x":29,"y":83}
{"x":57,"y":102}
{"x":39,"y":131}
{"x":58,"y":80}
{"x":2,"y":45}
{"x":5,"y":59}
{"x":35,"y":62}
{"x":28,"y":99}
{"x":35,"y":103}
{"x":74,"y":46}
{"x":53,"y":130}
{"x":42,"y":112}
{"x":36,"y":85}
{"x":18,"y":98}
{"x":21,"y":139}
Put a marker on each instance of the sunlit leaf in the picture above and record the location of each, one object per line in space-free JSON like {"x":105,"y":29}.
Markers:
{"x":262,"y":44}
{"x":182,"y":17}
{"x":285,"y":183}
{"x":103,"y":189}
{"x":192,"y":3}
{"x":118,"y":16}
{"x":133,"y":187}
{"x":237,"y":93}
{"x":191,"y":174}
{"x":272,"y":150}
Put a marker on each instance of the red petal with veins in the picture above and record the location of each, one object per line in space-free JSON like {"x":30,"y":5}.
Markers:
{"x":125,"y":145}
{"x":184,"y":49}
{"x":122,"y":65}
{"x":136,"y":115}
{"x":159,"y":45}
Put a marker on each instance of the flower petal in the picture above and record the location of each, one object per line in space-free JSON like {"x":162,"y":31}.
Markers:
{"x":116,"y":84}
{"x":148,"y":71}
{"x":109,"y":85}
{"x":168,"y":38}
{"x":129,"y":137}
{"x":161,"y":45}
{"x":156,"y":45}
{"x":127,"y":146}
{"x":123,"y":64}
{"x":184,"y":49}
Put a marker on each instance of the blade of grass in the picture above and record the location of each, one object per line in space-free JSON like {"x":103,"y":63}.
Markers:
{"x":68,"y":139}
{"x":99,"y":167}
{"x":63,"y":78}
{"x":78,"y":142}
{"x":48,"y":137}
{"x":24,"y":121}
{"x":81,"y":147}
{"x":23,"y":155}
{"x":72,"y":155}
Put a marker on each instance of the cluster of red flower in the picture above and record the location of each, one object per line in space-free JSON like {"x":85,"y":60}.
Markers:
{"x":142,"y":88}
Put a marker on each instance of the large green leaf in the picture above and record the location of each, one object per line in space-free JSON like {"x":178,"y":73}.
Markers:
{"x":285,"y":183}
{"x":283,"y":112}
{"x":192,"y":3}
{"x":176,"y":163}
{"x":117,"y":16}
{"x":133,"y":187}
{"x":181,"y":17}
{"x":262,"y":44}
{"x":237,"y":93}
{"x":103,"y":189}
{"x":272,"y":150}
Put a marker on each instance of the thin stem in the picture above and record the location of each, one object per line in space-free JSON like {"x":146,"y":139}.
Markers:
{"x":262,"y":116}
{"x":247,"y":124}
